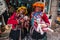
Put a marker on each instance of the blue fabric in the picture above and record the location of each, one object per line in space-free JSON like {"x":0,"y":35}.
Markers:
{"x":32,"y":21}
{"x":35,"y":14}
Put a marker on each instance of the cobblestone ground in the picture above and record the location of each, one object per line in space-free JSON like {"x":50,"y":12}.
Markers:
{"x":53,"y":36}
{"x":50,"y":36}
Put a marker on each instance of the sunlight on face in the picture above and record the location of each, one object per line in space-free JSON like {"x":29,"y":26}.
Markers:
{"x":37,"y":9}
{"x":22,"y":11}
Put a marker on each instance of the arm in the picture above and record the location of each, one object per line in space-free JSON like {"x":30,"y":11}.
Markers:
{"x":45,"y":18}
{"x":12,"y":20}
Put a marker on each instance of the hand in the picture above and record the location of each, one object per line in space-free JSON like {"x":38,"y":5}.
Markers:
{"x":22,"y":20}
{"x":43,"y":25}
{"x":8,"y":26}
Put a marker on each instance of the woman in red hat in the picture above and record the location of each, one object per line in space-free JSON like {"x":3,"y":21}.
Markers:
{"x":38,"y":17}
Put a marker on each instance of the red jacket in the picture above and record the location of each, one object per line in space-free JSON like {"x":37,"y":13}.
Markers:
{"x":44,"y":17}
{"x":12,"y":21}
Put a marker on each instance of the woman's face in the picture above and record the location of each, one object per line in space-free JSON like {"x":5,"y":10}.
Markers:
{"x":22,"y":11}
{"x":37,"y":9}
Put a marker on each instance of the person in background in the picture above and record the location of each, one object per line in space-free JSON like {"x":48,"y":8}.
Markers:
{"x":38,"y":15}
{"x":18,"y":21}
{"x":10,"y":10}
{"x":6,"y":16}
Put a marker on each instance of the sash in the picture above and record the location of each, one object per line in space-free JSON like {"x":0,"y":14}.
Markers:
{"x":37,"y":20}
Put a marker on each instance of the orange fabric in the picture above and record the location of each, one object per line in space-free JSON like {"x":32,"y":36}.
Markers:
{"x":38,"y":4}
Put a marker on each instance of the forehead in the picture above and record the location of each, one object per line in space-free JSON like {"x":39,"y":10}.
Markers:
{"x":23,"y":9}
{"x":38,"y":7}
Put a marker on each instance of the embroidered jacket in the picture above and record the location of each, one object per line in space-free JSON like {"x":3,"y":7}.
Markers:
{"x":42,"y":16}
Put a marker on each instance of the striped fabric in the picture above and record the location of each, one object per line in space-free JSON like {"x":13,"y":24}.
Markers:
{"x":37,"y":16}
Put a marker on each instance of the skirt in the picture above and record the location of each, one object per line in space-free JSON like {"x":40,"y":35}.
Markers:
{"x":23,"y":33}
{"x":36,"y":35}
{"x":14,"y":34}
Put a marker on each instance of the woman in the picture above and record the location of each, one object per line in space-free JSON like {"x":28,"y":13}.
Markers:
{"x":38,"y":17}
{"x":25,"y":25}
{"x":17,"y":22}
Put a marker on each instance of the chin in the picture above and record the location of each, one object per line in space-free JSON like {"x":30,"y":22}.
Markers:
{"x":37,"y":11}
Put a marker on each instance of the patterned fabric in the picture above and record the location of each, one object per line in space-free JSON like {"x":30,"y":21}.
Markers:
{"x":37,"y":16}
{"x":15,"y":21}
{"x":44,"y":19}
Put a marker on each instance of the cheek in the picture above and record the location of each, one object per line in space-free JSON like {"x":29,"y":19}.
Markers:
{"x":37,"y":9}
{"x":23,"y":11}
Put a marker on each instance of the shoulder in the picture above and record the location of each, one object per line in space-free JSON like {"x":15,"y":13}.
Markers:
{"x":44,"y":14}
{"x":13,"y":15}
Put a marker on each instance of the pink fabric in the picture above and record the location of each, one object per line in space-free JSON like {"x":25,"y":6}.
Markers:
{"x":44,"y":19}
